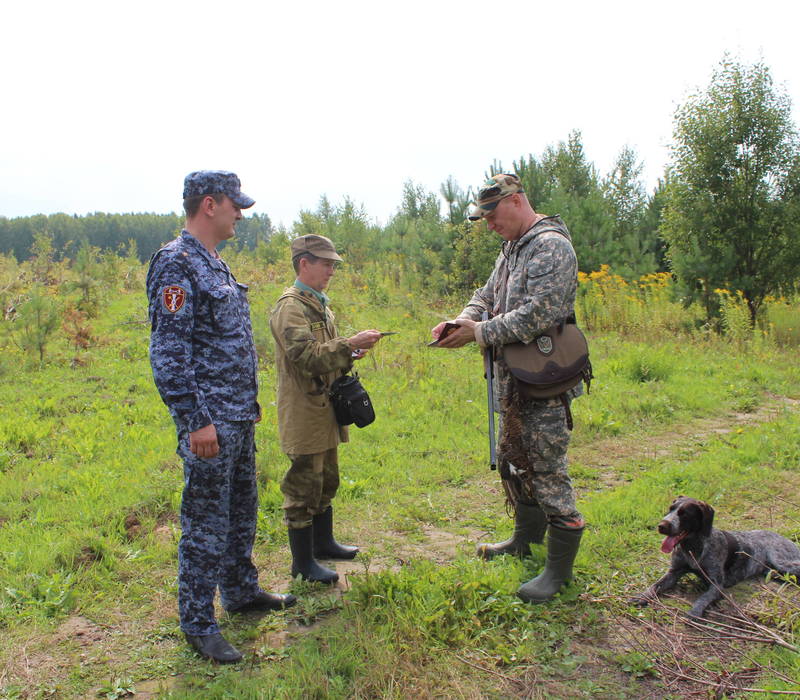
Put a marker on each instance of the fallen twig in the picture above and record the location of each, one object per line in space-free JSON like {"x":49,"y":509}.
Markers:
{"x":665,"y":645}
{"x":514,"y":681}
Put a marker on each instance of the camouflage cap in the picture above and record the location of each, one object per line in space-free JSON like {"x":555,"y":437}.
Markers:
{"x":319,"y":246}
{"x":494,"y":189}
{"x":202,"y":182}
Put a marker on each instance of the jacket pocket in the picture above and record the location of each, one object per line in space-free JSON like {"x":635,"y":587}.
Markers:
{"x":539,"y":266}
{"x":225,"y":309}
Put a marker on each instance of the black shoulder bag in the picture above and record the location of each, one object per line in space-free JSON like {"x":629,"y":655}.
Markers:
{"x":351,"y":402}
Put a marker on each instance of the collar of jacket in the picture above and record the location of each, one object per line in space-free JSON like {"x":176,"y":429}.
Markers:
{"x":304,"y":297}
{"x":189,"y":240}
{"x":547,"y":223}
{"x":321,"y":296}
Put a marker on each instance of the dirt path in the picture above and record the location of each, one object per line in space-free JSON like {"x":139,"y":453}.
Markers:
{"x":603,"y":455}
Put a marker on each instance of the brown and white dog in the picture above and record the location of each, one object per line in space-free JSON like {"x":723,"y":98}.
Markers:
{"x":718,"y":557}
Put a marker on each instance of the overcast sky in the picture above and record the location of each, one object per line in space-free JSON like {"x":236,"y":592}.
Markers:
{"x":106,"y":105}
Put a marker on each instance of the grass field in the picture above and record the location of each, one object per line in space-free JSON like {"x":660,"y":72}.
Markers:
{"x":91,"y":485}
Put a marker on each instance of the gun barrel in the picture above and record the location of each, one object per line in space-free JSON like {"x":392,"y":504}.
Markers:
{"x":488,"y":362}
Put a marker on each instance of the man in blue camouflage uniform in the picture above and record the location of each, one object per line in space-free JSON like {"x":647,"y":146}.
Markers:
{"x":531,"y":288}
{"x":204,"y":365}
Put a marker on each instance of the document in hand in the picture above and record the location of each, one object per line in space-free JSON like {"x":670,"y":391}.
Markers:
{"x":447,"y":330}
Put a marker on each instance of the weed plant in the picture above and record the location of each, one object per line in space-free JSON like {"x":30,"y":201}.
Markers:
{"x":783,"y":322}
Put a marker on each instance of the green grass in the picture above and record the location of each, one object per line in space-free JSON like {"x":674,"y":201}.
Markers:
{"x":90,"y":491}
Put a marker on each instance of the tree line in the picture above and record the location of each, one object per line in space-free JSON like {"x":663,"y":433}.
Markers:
{"x":615,"y":221}
{"x":725,"y":214}
{"x":108,"y":232}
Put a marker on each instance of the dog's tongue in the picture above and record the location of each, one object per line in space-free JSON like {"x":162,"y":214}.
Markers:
{"x":669,"y":543}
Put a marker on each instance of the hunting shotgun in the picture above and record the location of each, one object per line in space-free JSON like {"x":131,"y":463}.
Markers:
{"x":488,"y":368}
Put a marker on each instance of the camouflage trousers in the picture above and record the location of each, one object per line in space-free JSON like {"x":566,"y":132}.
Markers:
{"x":309,"y":487}
{"x":533,"y":458}
{"x":218,"y":523}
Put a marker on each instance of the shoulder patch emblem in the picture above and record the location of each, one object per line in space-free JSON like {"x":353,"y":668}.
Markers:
{"x":174,"y":298}
{"x":317,"y":325}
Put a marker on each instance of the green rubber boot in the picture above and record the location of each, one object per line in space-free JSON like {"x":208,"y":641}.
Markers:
{"x":562,"y":546}
{"x":530,"y":522}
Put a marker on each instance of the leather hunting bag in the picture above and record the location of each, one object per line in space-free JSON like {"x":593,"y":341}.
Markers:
{"x":351,"y":402}
{"x":551,"y":364}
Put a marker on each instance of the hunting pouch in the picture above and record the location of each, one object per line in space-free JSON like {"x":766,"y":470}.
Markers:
{"x":351,"y":402}
{"x":552,"y":364}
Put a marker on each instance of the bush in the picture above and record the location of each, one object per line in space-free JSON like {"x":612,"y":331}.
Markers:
{"x":783,"y":322}
{"x":36,"y":321}
{"x":647,"y":365}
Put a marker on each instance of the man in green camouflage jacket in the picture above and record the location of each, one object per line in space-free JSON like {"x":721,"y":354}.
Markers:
{"x":531,"y":288}
{"x":310,"y":355}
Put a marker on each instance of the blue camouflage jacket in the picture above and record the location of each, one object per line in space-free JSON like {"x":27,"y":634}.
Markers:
{"x":201,"y":342}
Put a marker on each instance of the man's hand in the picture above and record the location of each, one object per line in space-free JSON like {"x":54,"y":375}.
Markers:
{"x":203,"y":442}
{"x":364,"y":340}
{"x":465,"y":333}
{"x":436,"y":331}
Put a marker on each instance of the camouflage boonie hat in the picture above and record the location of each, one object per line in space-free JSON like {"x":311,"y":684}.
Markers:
{"x":318,"y":246}
{"x":494,"y":189}
{"x":202,"y":182}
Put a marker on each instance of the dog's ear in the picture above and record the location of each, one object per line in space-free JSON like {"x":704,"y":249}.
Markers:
{"x":708,"y":518}
{"x":674,"y":504}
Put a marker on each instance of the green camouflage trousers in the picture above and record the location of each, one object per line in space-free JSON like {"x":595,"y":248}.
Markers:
{"x":534,"y":438}
{"x":309,"y":486}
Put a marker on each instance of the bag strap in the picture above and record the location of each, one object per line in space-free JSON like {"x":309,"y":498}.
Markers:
{"x":567,"y":410}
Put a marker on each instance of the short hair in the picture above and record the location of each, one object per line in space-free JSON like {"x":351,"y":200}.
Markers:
{"x":191,"y":205}
{"x":303,"y":256}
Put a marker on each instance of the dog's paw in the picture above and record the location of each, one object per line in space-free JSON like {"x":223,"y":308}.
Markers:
{"x":642,"y":600}
{"x":696,"y":613}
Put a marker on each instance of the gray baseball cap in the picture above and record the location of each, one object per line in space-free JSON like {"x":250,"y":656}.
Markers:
{"x":318,"y":246}
{"x":202,"y":182}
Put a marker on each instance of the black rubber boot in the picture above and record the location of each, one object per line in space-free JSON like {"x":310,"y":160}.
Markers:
{"x":325,"y":547}
{"x":303,"y":561}
{"x":530,"y":522}
{"x":562,"y":546}
{"x":214,"y":647}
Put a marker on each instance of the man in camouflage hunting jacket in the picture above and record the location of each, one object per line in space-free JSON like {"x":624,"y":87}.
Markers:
{"x":531,"y":288}
{"x":310,"y":355}
{"x":204,"y":365}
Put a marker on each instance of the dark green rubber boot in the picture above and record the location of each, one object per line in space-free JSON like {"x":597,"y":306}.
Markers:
{"x":562,"y":546}
{"x":530,"y":522}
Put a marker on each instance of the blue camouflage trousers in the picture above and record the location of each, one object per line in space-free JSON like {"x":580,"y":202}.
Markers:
{"x":218,"y":523}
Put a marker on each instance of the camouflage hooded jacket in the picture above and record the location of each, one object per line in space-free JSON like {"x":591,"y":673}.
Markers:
{"x":309,"y":355}
{"x":532,"y":287}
